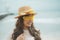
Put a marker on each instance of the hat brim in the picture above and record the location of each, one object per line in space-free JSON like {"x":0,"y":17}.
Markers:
{"x":24,"y":15}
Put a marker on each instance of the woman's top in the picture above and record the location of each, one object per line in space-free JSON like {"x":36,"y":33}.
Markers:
{"x":27,"y":35}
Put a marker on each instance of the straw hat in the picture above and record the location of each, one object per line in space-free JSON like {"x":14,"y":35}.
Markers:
{"x":25,"y":10}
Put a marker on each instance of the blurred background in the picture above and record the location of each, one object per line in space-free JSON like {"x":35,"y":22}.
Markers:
{"x":47,"y":18}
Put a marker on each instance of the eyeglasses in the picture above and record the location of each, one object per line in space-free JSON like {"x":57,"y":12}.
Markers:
{"x":28,"y":17}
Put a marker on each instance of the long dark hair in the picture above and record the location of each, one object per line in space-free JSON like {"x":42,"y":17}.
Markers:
{"x":19,"y":30}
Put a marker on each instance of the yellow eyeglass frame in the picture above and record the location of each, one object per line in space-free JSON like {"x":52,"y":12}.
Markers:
{"x":30,"y":17}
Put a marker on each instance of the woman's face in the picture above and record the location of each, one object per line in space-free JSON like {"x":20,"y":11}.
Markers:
{"x":28,"y":20}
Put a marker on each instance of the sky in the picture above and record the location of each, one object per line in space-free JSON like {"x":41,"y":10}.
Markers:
{"x":42,"y":5}
{"x":47,"y":18}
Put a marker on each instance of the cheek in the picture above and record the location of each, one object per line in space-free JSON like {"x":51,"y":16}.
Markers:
{"x":27,"y":23}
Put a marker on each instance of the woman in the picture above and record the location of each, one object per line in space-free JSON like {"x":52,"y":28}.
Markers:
{"x":25,"y":29}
